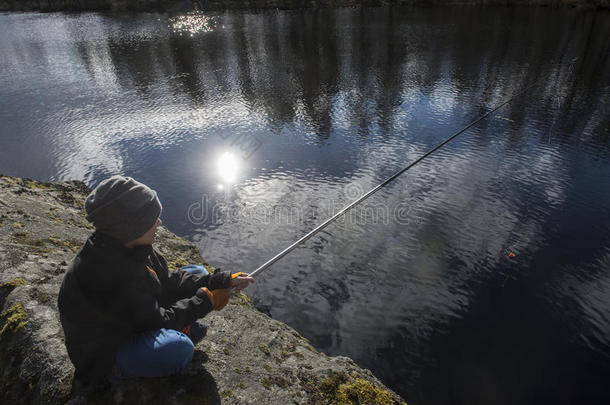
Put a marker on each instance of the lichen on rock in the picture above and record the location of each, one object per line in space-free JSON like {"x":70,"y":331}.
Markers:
{"x":13,"y":319}
{"x":361,"y":391}
{"x":16,"y":282}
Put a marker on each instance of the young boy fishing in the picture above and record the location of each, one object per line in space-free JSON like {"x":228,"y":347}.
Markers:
{"x":124,"y":314}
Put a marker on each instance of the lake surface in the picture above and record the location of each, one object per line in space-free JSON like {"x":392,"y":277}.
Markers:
{"x":482,"y":275}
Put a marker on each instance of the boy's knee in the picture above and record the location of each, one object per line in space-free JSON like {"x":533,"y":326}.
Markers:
{"x":177,"y":351}
{"x":195,"y":269}
{"x":156,"y":354}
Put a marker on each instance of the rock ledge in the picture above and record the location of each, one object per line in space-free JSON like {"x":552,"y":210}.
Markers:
{"x":247,"y":357}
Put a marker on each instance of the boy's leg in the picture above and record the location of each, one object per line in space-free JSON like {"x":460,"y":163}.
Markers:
{"x":195,"y":331}
{"x":156,"y":353}
{"x":195,"y":269}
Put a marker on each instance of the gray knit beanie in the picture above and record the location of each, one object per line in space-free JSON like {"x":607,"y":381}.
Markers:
{"x":123,"y":208}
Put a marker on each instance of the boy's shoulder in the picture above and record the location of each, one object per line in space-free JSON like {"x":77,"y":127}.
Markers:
{"x":103,"y":254}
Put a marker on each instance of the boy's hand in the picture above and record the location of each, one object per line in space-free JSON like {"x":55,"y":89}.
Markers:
{"x":219,"y":298}
{"x":240,"y":280}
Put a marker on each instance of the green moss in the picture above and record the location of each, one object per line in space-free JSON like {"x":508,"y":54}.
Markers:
{"x":18,"y":225}
{"x":29,"y":183}
{"x":248,"y":369}
{"x":40,"y":246}
{"x":266,"y":383}
{"x":36,"y":246}
{"x":361,"y":391}
{"x":322,"y":390}
{"x":243,"y":385}
{"x":265,"y":349}
{"x":281,"y":382}
{"x":69,"y":244}
{"x":267,"y":367}
{"x":287,"y":350}
{"x":226,"y":351}
{"x":342,"y":389}
{"x":16,"y":282}
{"x":241,"y":298}
{"x":330,"y":385}
{"x":7,"y":288}
{"x":175,"y":263}
{"x":42,"y":297}
{"x":226,"y":393}
{"x":14,"y":319}
{"x":178,"y":253}
{"x":68,"y":199}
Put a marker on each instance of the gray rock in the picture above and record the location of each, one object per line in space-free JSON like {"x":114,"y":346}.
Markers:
{"x":247,"y":357}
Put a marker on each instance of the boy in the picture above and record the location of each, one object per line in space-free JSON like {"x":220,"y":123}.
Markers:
{"x":124,"y":314}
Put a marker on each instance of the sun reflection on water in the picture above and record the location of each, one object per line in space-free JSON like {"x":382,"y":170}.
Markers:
{"x":228,"y":167}
{"x":191,"y":23}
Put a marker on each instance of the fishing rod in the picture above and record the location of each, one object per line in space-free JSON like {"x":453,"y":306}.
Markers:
{"x":324,"y":224}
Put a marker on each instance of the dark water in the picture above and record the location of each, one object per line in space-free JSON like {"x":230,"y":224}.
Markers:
{"x":313,"y":109}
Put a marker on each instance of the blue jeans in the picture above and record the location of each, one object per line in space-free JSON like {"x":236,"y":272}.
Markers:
{"x":156,"y":353}
{"x":195,"y":269}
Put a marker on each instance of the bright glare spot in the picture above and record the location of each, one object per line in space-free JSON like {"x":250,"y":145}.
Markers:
{"x":227,"y":167}
{"x":220,"y":186}
{"x":193,"y":22}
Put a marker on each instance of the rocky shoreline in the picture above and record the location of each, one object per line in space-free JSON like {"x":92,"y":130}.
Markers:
{"x":207,"y":5}
{"x":247,"y":357}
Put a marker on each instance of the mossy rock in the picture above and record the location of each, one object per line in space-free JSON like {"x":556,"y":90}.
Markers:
{"x":16,"y":282}
{"x":33,"y":245}
{"x":34,"y":365}
{"x":7,"y":287}
{"x":29,"y":183}
{"x":361,"y":391}
{"x":276,"y":380}
{"x":42,"y":246}
{"x":265,"y":349}
{"x":12,"y":325}
{"x":13,"y":319}
{"x":340,"y":388}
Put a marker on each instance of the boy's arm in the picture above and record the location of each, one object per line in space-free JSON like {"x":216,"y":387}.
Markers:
{"x":146,"y":314}
{"x":181,"y":284}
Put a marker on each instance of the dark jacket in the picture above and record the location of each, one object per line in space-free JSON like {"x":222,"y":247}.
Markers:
{"x":111,"y":292}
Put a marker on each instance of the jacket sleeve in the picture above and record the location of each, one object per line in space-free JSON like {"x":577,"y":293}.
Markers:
{"x":180,"y":284}
{"x":145,"y":313}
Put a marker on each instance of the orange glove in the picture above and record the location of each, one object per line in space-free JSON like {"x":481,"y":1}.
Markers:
{"x":219,"y":297}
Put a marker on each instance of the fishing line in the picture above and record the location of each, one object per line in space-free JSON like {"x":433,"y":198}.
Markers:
{"x":323,"y":225}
